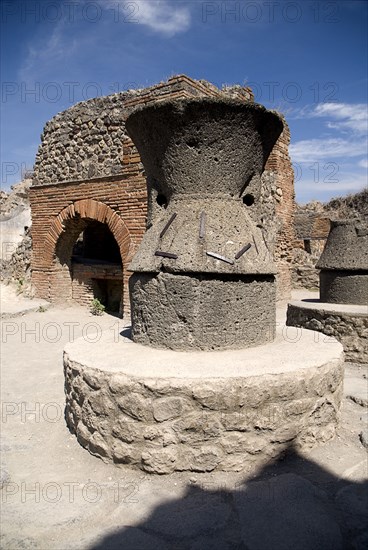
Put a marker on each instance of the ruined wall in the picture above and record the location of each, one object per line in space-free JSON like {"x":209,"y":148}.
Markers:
{"x":311,"y":232}
{"x":86,"y":154}
{"x":312,"y":226}
{"x":86,"y":141}
{"x":82,"y":143}
{"x":15,"y":236}
{"x":15,"y":215}
{"x":17,"y":268}
{"x":282,"y":190}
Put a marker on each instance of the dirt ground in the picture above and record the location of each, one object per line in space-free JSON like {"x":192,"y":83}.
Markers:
{"x":55,"y":495}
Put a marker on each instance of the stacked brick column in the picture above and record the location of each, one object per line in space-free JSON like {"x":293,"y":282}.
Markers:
{"x":280,"y":164}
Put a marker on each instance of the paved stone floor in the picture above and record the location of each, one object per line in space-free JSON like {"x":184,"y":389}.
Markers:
{"x":55,"y":495}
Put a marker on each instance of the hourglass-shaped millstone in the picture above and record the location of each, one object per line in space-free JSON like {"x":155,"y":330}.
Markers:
{"x":203,"y":273}
{"x":344,"y":263}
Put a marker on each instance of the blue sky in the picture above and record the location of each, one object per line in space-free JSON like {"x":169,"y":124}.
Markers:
{"x":304,"y":58}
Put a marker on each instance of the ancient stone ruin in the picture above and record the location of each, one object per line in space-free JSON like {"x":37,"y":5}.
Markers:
{"x":312,"y":222}
{"x":344,"y":264}
{"x":203,"y":281}
{"x":311,"y":232}
{"x":342,"y":309}
{"x":204,"y":277}
{"x":89,"y":185}
{"x":15,"y":239}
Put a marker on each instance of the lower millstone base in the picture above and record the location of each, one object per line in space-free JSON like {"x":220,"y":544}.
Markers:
{"x":347,"y":323}
{"x":164,"y":411}
{"x":207,"y":312}
{"x":344,"y":287}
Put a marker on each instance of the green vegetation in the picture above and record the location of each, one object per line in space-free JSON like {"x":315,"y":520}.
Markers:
{"x":96,"y":307}
{"x":20,"y":285}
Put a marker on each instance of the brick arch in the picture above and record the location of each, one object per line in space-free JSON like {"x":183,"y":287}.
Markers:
{"x":91,"y":209}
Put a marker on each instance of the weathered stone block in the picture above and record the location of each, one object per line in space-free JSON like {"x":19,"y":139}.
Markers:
{"x":93,"y":379}
{"x":120,"y":383}
{"x":83,"y":434}
{"x":162,"y":435}
{"x":98,"y":446}
{"x":136,"y":406}
{"x":167,"y":408}
{"x":128,"y":432}
{"x":204,"y":459}
{"x":101,"y":403}
{"x":125,"y":454}
{"x":159,"y":461}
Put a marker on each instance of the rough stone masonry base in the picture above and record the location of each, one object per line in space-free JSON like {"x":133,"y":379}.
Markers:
{"x":348,"y":323}
{"x":164,"y":411}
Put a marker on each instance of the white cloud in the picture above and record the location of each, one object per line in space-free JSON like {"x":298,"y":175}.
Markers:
{"x":323,"y":165}
{"x":162,"y":16}
{"x":347,"y":116}
{"x":312,"y":150}
{"x":47,"y":54}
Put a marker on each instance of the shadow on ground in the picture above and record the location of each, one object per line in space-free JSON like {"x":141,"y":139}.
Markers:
{"x":291,"y":504}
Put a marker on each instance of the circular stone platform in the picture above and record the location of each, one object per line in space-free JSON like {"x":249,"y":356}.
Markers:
{"x":163,"y":410}
{"x":348,"y":323}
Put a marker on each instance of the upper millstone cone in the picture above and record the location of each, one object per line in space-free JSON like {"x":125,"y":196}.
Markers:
{"x":200,"y":156}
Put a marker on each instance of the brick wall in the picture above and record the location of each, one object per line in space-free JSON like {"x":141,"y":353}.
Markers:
{"x":311,"y":226}
{"x":124,"y":198}
{"x":280,"y":164}
{"x":88,"y":168}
